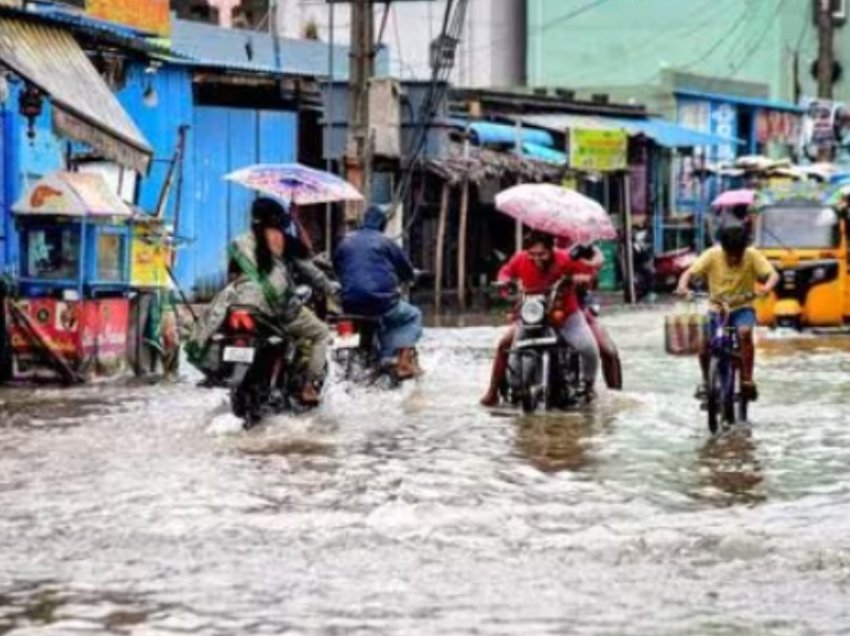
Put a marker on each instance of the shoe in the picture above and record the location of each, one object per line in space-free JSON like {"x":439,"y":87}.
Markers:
{"x":749,"y":391}
{"x":309,"y":395}
{"x":490,"y":399}
{"x":702,"y":392}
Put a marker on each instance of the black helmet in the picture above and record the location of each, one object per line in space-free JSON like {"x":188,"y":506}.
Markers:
{"x":267,"y":212}
{"x":733,"y":239}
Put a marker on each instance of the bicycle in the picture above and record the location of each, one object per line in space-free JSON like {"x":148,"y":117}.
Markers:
{"x":724,"y":392}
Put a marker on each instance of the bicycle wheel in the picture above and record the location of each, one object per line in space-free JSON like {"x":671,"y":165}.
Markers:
{"x":730,"y":383}
{"x":715,"y":395}
{"x":743,"y":403}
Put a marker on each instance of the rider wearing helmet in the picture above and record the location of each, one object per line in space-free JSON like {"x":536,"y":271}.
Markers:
{"x":732,"y":270}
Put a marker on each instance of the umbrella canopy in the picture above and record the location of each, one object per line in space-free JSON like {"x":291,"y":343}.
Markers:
{"x":731,"y":198}
{"x":295,"y":183}
{"x":559,"y":211}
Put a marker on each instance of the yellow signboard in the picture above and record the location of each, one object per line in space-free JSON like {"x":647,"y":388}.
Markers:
{"x":598,"y":150}
{"x":150,"y":259}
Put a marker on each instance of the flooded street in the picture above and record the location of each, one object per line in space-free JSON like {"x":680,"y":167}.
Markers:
{"x":144,"y":510}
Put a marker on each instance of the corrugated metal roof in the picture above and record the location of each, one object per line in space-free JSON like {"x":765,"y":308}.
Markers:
{"x":664,"y":133}
{"x":209,"y":45}
{"x":86,"y":109}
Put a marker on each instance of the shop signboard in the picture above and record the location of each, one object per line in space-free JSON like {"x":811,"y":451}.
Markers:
{"x":598,"y":150}
{"x":818,"y":122}
{"x":696,"y":115}
{"x":151,"y":15}
{"x":150,"y":259}
{"x":89,"y":335}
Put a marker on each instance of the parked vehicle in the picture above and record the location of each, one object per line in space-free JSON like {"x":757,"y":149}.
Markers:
{"x":806,"y":238}
{"x":260,"y":365}
{"x":657,"y":272}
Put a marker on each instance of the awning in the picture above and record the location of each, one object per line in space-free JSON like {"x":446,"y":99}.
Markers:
{"x":84,"y":107}
{"x":754,"y":102}
{"x":662,"y":132}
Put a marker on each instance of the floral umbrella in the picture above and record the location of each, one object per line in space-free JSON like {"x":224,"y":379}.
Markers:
{"x":295,"y":183}
{"x":732,"y":198}
{"x":559,"y":211}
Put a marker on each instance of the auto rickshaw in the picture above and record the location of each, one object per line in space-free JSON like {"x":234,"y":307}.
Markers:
{"x":802,"y":229}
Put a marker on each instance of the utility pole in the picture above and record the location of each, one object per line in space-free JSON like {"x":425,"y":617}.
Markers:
{"x":358,"y":152}
{"x":825,"y":49}
{"x":825,"y":61}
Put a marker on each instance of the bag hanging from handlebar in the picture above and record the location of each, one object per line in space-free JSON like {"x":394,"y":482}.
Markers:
{"x":684,"y":330}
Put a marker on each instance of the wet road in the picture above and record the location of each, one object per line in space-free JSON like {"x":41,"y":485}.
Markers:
{"x":142,"y":510}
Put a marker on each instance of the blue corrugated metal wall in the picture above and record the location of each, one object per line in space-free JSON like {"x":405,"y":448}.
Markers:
{"x":24,"y":162}
{"x":226,"y":139}
{"x":160,"y":125}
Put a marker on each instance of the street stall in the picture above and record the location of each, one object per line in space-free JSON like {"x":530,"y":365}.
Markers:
{"x":68,"y":315}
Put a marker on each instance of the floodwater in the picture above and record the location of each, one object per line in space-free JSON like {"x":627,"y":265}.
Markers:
{"x":144,"y":510}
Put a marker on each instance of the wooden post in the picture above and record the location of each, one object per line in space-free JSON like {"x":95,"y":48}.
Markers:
{"x":441,"y":239}
{"x":461,"y":252}
{"x":630,"y":265}
{"x":464,"y":213}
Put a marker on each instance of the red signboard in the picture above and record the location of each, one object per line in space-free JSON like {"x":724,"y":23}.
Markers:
{"x":147,"y":15}
{"x":90,"y":335}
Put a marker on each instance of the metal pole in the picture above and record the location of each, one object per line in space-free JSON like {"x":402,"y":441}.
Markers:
{"x":518,"y":147}
{"x":462,"y":230}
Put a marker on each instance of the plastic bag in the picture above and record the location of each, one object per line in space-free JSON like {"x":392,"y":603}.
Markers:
{"x":685,"y":330}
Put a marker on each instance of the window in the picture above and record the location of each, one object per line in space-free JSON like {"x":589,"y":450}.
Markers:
{"x":797,"y":227}
{"x":52,"y":253}
{"x":110,"y":258}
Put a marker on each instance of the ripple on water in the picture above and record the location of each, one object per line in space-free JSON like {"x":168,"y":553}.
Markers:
{"x":146,"y":509}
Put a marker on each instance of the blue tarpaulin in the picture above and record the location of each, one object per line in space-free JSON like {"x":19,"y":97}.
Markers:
{"x":550,"y":155}
{"x":487,"y":133}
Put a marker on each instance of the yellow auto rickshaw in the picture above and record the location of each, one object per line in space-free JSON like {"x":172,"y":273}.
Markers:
{"x":802,"y":229}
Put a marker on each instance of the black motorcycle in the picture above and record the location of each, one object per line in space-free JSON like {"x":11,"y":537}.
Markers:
{"x":260,"y":365}
{"x":543,"y":369}
{"x":356,"y":350}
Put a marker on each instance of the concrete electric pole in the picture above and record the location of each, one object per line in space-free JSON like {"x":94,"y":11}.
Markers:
{"x":362,"y":67}
{"x":825,"y":49}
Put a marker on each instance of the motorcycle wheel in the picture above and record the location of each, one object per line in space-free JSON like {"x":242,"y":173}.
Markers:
{"x":529,"y":370}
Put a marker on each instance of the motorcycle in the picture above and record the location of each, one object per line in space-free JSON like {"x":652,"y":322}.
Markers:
{"x":259,"y":364}
{"x":356,"y":350}
{"x":542,"y":367}
{"x":657,"y":273}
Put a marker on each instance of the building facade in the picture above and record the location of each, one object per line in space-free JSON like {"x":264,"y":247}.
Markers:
{"x":632,"y":43}
{"x":491,"y":52}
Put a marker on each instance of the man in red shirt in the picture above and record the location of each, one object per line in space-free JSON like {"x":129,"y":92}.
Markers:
{"x":538,"y":267}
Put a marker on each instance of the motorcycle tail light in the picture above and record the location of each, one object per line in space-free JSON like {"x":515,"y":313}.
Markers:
{"x":345,"y":328}
{"x":242,"y":321}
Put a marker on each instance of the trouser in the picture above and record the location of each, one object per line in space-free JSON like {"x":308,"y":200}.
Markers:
{"x":578,"y":335}
{"x":306,"y":327}
{"x":401,"y":328}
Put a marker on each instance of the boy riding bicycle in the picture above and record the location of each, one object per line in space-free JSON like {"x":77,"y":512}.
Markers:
{"x":732,"y":270}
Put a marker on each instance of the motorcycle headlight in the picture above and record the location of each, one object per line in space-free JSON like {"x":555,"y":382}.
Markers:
{"x":532,"y":312}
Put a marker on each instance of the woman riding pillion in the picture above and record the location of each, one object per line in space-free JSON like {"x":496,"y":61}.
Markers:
{"x":732,"y":270}
{"x":261,"y":265}
{"x":539,"y":267}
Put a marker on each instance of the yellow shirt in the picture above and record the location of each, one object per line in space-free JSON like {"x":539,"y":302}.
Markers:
{"x":725,"y":281}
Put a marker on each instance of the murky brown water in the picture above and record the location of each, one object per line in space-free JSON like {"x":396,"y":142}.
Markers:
{"x":142,"y":510}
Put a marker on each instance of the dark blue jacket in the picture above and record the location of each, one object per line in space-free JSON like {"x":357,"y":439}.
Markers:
{"x":370,"y":268}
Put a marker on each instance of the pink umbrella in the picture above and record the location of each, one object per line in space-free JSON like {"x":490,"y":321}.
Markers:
{"x":558,"y":211}
{"x":731,"y":198}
